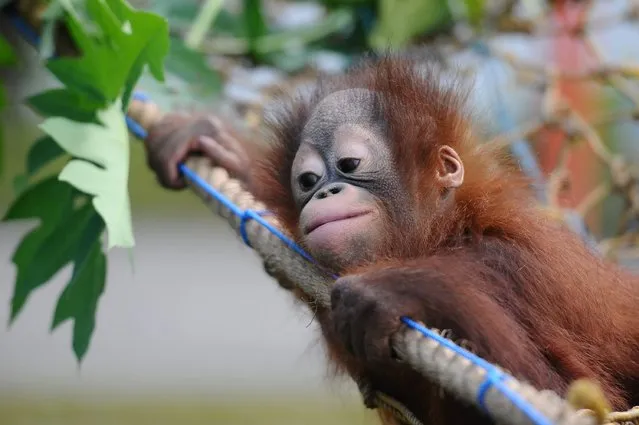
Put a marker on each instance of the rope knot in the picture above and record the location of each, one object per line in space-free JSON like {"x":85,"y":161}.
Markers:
{"x":244,"y":218}
{"x":493,"y":376}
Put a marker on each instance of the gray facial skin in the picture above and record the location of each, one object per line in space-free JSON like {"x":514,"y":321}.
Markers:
{"x":342,"y":176}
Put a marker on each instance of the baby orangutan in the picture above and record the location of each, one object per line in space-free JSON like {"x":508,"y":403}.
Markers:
{"x":378,"y":176}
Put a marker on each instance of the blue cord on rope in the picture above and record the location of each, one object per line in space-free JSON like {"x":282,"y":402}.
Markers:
{"x":135,"y":128}
{"x":245,"y":215}
{"x":494,"y":377}
{"x":31,"y":36}
{"x":202,"y":184}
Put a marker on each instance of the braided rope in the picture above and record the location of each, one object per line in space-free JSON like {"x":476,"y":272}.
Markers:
{"x":630,"y":417}
{"x":506,"y":399}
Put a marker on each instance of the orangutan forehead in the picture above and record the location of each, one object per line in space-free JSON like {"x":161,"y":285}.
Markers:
{"x":357,"y":106}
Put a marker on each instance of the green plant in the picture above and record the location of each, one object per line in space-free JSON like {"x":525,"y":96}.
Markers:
{"x":85,"y":123}
{"x":7,"y":57}
{"x":398,"y":21}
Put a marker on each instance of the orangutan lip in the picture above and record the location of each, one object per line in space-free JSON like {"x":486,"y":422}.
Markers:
{"x":330,"y":218}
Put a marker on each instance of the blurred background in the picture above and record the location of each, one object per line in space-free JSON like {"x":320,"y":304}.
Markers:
{"x":193,"y":331}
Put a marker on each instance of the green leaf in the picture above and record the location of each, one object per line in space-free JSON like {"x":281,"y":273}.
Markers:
{"x":3,"y":103}
{"x":42,"y":152}
{"x":112,"y":62}
{"x":65,"y":103}
{"x":85,"y":74}
{"x":82,"y":78}
{"x":46,"y":49}
{"x":179,"y":14}
{"x":45,"y":200}
{"x":54,"y":252}
{"x":20,"y":183}
{"x":50,"y":201}
{"x":101,"y":168}
{"x":209,"y":9}
{"x":56,"y":9}
{"x":142,"y":41}
{"x":120,"y":9}
{"x":475,"y":10}
{"x":191,"y":66}
{"x":85,"y":120}
{"x":89,"y":288}
{"x":7,"y":55}
{"x":401,"y":20}
{"x":229,"y":23}
{"x":79,"y":299}
{"x":255,"y":24}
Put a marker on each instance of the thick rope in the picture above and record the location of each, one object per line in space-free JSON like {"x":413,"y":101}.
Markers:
{"x":631,"y":417}
{"x":456,"y":370}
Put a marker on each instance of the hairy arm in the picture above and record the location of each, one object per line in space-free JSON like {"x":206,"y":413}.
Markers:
{"x":454,"y":291}
{"x":178,"y":136}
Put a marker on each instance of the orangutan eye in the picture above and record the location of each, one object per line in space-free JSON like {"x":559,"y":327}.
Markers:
{"x":308,"y":180}
{"x":348,"y":165}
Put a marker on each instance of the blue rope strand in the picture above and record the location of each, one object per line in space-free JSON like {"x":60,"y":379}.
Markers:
{"x":28,"y":33}
{"x":494,"y":377}
{"x":135,"y":128}
{"x":245,"y":215}
{"x":202,"y":184}
{"x":138,"y":95}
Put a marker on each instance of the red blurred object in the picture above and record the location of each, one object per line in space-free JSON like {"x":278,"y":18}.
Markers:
{"x":571,"y":54}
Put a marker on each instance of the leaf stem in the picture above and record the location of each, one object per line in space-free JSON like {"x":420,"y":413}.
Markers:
{"x":206,"y":16}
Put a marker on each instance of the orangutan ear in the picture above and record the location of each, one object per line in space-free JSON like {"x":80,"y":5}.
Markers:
{"x":450,"y":168}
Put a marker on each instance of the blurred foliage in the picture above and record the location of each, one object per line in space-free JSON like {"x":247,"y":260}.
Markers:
{"x":398,"y":21}
{"x":349,"y":25}
{"x":7,"y":57}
